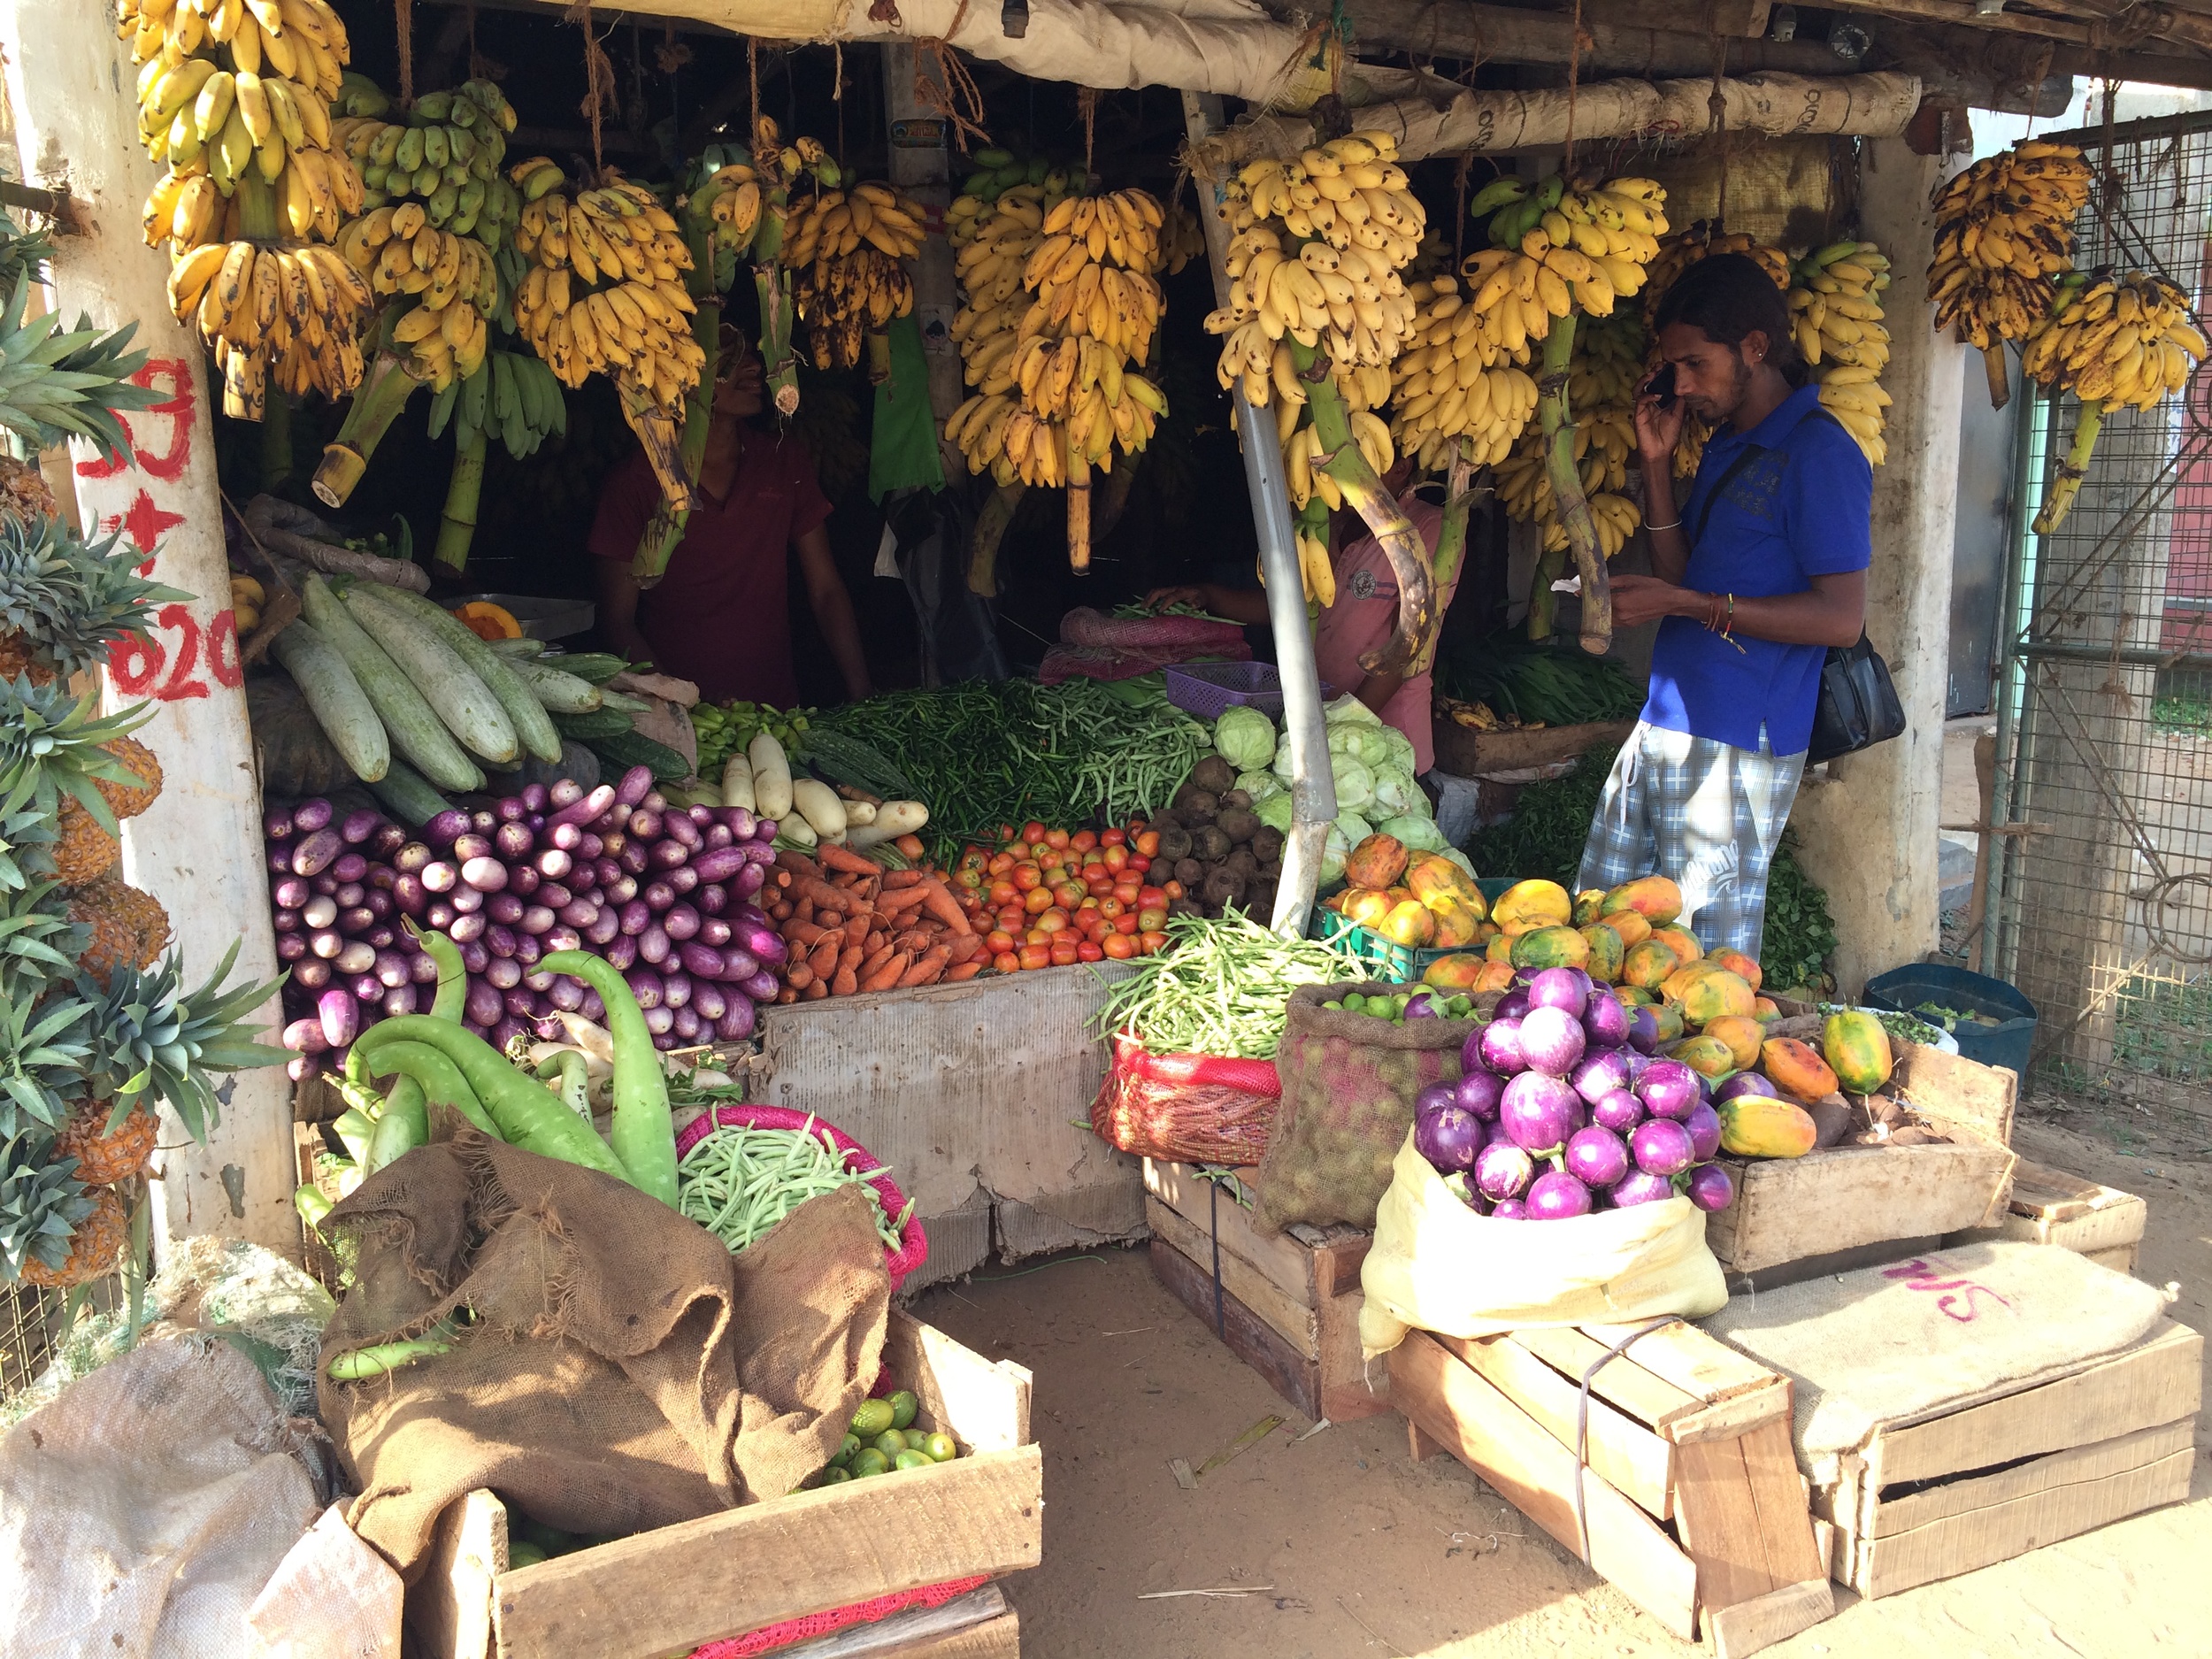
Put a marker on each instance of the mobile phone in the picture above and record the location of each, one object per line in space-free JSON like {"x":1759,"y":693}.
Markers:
{"x":1661,"y":385}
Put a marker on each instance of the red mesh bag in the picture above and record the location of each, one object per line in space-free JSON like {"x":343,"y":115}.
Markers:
{"x":769,"y":1638}
{"x":1187,"y":1107}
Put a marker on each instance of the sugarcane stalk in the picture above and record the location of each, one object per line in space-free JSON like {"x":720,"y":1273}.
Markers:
{"x":1079,"y":507}
{"x":1341,"y":460}
{"x":1570,"y":506}
{"x":457,"y":521}
{"x":383,"y":393}
{"x":664,"y":530}
{"x":2058,"y":500}
{"x":1451,"y":537}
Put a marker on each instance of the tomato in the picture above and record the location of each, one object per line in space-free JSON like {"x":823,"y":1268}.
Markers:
{"x":1121,"y":947}
{"x":1127,"y":888}
{"x":1053,"y":921}
{"x":1036,"y":956}
{"x":1033,"y":832}
{"x":1014,"y":920}
{"x":1151,"y":919}
{"x":1028,"y":878}
{"x":1003,"y":891}
{"x":1150,"y":944}
{"x":1149,"y":843}
{"x":1000,"y":863}
{"x":1050,"y":858}
{"x":1100,"y":885}
{"x":1007,"y":962}
{"x":1038,"y":901}
{"x":999,"y":943}
{"x":1116,"y":857}
{"x":1173,"y":889}
{"x":1125,"y":924}
{"x":1139,"y":863}
{"x":1067,"y":895}
{"x":1095,"y":926}
{"x":1111,"y":909}
{"x":1083,"y":840}
{"x":1148,"y":898}
{"x":1088,"y":951}
{"x":1057,"y":838}
{"x":1006,"y":832}
{"x":1112,"y":837}
{"x":1065,"y":955}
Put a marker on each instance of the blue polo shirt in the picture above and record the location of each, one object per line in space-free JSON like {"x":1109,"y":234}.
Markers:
{"x":1800,"y":507}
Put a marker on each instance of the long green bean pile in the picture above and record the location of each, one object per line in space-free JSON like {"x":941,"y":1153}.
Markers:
{"x":738,"y":1183}
{"x":1220,"y":988}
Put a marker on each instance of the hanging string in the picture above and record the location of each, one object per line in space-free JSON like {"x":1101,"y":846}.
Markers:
{"x":1717,"y":127}
{"x":403,"y":14}
{"x":1459,"y":212}
{"x":953,"y":95}
{"x":1086,"y":101}
{"x":837,"y":92}
{"x":2035,"y":83}
{"x":1576,"y":47}
{"x":599,"y":94}
{"x":752,"y":79}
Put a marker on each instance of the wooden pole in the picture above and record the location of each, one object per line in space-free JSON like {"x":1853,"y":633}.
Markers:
{"x":198,"y":849}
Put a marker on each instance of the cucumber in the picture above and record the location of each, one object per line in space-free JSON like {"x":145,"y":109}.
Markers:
{"x":589,"y":728}
{"x":511,"y":648}
{"x":596,"y":666}
{"x":533,"y":728}
{"x":631,"y":748}
{"x":623,"y":701}
{"x":561,"y":693}
{"x":416,"y":735}
{"x":465,"y":703}
{"x":407,"y":795}
{"x":341,"y":708}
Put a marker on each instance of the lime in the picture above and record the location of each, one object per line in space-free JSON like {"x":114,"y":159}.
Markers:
{"x":868,"y":1461}
{"x":913,"y":1460}
{"x":903,"y":1406}
{"x":940,"y":1448}
{"x":845,"y":1452}
{"x":1333,"y":1005}
{"x":917,"y":1440}
{"x":890,"y":1443}
{"x":873,"y":1418}
{"x":523,"y":1554}
{"x":1355,"y":1003}
{"x":833,"y":1476}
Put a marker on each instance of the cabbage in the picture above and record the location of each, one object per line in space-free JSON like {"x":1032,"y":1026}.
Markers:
{"x":1395,"y":792}
{"x":1367,"y":746}
{"x":1417,"y":831}
{"x":1460,"y":859}
{"x":1340,"y":739}
{"x":1400,"y":748}
{"x":1355,"y":785}
{"x":1355,"y":828}
{"x":1282,"y":759}
{"x":1244,"y":737}
{"x":1349,"y":710}
{"x":1259,"y":785}
{"x":1334,"y":851}
{"x":1274,"y":811}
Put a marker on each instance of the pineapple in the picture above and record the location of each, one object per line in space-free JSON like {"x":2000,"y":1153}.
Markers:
{"x":107,"y":1149}
{"x":42,"y":1204}
{"x":56,"y":739}
{"x":95,"y":1247}
{"x":146,"y":1037}
{"x":64,"y":600}
{"x":124,"y":927}
{"x":127,"y":798}
{"x":44,"y":1045}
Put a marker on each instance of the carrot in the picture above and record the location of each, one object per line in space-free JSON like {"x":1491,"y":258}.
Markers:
{"x":930,"y":965}
{"x":966,"y":946}
{"x":856,"y":928}
{"x":823,"y":957}
{"x":914,"y":940}
{"x":941,"y":904}
{"x":825,"y":896}
{"x":873,"y":961}
{"x":798,"y":865}
{"x":835,"y":858}
{"x":849,"y":958}
{"x":887,"y":977}
{"x":910,"y":845}
{"x":785,"y":997}
{"x":967,"y":970}
{"x":798,"y":976}
{"x":901,"y":899}
{"x":815,"y":991}
{"x":897,"y":879}
{"x":780,"y":910}
{"x":844,"y":984}
{"x":780,"y":878}
{"x":799,"y":933}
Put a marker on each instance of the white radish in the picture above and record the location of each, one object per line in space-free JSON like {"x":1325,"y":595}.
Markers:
{"x":894,"y":818}
{"x":818,"y":805}
{"x":737,"y":780}
{"x":771,"y":778}
{"x":858,"y":813}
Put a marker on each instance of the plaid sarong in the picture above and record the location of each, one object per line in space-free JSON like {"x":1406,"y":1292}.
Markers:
{"x":1706,"y":813}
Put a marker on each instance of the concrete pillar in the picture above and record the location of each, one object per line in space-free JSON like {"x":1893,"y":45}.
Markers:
{"x":198,"y":850}
{"x":1867,"y":832}
{"x":922,"y":167}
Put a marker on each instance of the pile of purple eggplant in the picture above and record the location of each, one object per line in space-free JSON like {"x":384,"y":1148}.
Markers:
{"x":664,"y":891}
{"x":1564,"y":1110}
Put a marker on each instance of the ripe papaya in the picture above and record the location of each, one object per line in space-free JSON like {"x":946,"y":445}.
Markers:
{"x":1606,"y":951}
{"x":1648,"y":965}
{"x":1655,"y":898}
{"x":1496,"y":976}
{"x":1759,"y":1126}
{"x":1589,"y":905}
{"x":1796,"y":1069}
{"x":1455,"y":923}
{"x":1738,"y":965}
{"x":1704,"y":1053}
{"x":1377,"y":862}
{"x":1499,"y":949}
{"x":1743,"y":1037}
{"x":1408,"y":923}
{"x":1857,"y":1050}
{"x":1670,"y":1020}
{"x":1682,"y":941}
{"x":1635,"y":995}
{"x":1765,"y":1008}
{"x":1558,"y":947}
{"x":1367,"y":906}
{"x":1527,"y":906}
{"x":1713,"y":994}
{"x":1455,"y":972}
{"x":1433,"y":876}
{"x":1633,"y":928}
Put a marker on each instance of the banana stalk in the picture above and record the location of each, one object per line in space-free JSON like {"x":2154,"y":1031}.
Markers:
{"x":2058,"y":500}
{"x":782,"y":377}
{"x":991,"y":525}
{"x":384,"y":392}
{"x":1341,"y":460}
{"x":276,"y":445}
{"x":657,"y":431}
{"x":457,"y":523}
{"x":664,"y":530}
{"x":1451,"y":537}
{"x":1570,"y":505}
{"x":1993,"y":368}
{"x":1078,"y":511}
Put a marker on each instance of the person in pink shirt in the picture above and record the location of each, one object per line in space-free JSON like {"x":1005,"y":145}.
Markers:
{"x":1360,"y":621}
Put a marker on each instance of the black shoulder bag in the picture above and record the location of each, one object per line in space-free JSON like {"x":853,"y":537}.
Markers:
{"x":1857,"y":706}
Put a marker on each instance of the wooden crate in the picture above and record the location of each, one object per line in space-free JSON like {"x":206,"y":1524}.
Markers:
{"x":1843,"y":1207}
{"x":1997,"y":1479}
{"x":2048,"y":1206}
{"x":669,"y":1590}
{"x":1696,"y":1508}
{"x":1289,"y":1305}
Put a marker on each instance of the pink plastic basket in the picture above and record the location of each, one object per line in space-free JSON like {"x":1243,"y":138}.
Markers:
{"x":771,"y":1637}
{"x":914,"y":1246}
{"x":1210,"y":689}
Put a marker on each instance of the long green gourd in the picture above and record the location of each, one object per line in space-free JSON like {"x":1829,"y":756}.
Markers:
{"x":643,"y":1134}
{"x":527,"y":1114}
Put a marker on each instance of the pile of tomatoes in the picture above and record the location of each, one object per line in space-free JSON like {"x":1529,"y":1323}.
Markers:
{"x":1048,"y":898}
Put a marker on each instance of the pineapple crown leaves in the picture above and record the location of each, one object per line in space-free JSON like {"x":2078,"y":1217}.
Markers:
{"x":148,"y":1036}
{"x":42,"y":1203}
{"x":53,"y":739}
{"x":57,"y":384}
{"x":23,"y":253}
{"x":69,"y":599}
{"x":44,"y":1045}
{"x":38,"y":939}
{"x":27,"y":837}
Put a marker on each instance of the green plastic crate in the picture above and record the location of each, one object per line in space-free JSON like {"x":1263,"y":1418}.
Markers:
{"x":1396,"y":963}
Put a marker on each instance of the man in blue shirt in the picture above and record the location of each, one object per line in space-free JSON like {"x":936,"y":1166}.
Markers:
{"x":1754,"y":578}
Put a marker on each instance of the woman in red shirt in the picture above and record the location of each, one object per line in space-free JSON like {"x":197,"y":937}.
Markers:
{"x":719,"y":615}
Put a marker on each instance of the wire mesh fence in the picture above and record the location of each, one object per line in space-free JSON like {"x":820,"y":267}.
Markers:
{"x":31,"y":1321}
{"x":2102,"y":879}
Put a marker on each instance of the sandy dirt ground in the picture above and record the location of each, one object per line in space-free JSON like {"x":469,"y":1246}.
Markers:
{"x":1351,"y":1549}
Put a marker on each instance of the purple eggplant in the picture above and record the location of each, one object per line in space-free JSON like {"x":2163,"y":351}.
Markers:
{"x":1746,"y":1083}
{"x":1639,"y":1186}
{"x":307,"y":1036}
{"x":1596,"y":1156}
{"x":1605,"y":1021}
{"x":1598,"y":1073}
{"x":1643,"y":1032}
{"x":636,"y":784}
{"x":1662,"y":1147}
{"x":350,"y":867}
{"x":703,"y":960}
{"x":524,"y":880}
{"x":566,"y":993}
{"x":1449,"y":1137}
{"x":276,"y":823}
{"x":446,"y":828}
{"x":399,"y":1001}
{"x":1669,"y":1089}
{"x":1703,"y":1124}
{"x":1556,"y":1196}
{"x":681,"y":879}
{"x":1709,"y":1187}
{"x":653,"y":945}
{"x":714,"y":931}
{"x":1552,"y":1041}
{"x":565,"y":792}
{"x":340,"y":1015}
{"x":1479,"y":1092}
{"x":683,"y":922}
{"x":310,"y":816}
{"x":738,"y":1020}
{"x":686,"y":1026}
{"x":1538,"y":1111}
{"x":678,"y":826}
{"x":312,"y":974}
{"x":290,"y":946}
{"x":1512,"y":1005}
{"x":1501,"y":1048}
{"x":676,"y":989}
{"x":1504,"y":1171}
{"x":502,"y":973}
{"x":1620,"y":1112}
{"x":709,"y":999}
{"x":316,"y":852}
{"x":1563,"y":988}
{"x":584,"y":809}
{"x":660,"y":1020}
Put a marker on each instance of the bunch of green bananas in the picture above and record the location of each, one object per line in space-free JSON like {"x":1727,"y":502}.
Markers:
{"x":445,"y":152}
{"x":511,"y":394}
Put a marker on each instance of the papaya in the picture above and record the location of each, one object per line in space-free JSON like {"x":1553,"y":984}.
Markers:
{"x":1367,"y":906}
{"x":1759,"y":1126}
{"x":1633,"y":928}
{"x":1677,"y":985}
{"x":489,"y":622}
{"x":1455,"y":923}
{"x":1335,"y":900}
{"x":1606,"y":951}
{"x":1648,"y":965}
{"x":1738,"y":965}
{"x":1377,"y":862}
{"x":1496,"y":976}
{"x":1499,"y":949}
{"x":1857,"y":1050}
{"x":1682,"y":941}
{"x":1715,"y":995}
{"x":1455,"y":972}
{"x":1408,"y":923}
{"x":1485,"y":932}
{"x":1765,"y":1008}
{"x":1669,"y":1020}
{"x":1634,"y":995}
{"x":1707,"y":1054}
{"x":1655,"y":898}
{"x":1550,"y":948}
{"x":1527,"y":906}
{"x":1433,"y":876}
{"x":1743,"y":1037}
{"x":1589,"y":905}
{"x":1796,"y":1069}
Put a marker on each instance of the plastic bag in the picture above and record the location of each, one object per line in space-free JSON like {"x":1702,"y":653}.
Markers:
{"x":1436,"y":1265}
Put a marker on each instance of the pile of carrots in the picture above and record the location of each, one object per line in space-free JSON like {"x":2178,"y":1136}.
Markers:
{"x":850,"y":926}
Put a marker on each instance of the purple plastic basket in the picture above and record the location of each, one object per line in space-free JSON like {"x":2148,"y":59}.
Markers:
{"x":1210,"y":689}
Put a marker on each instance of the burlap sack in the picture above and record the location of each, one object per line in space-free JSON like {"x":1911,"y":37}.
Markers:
{"x":624,"y":1371}
{"x":1348,"y":1086}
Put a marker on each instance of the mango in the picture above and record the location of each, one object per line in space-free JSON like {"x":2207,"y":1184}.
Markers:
{"x":1857,"y":1050}
{"x":1377,"y":862}
{"x":1738,"y":965}
{"x":1759,"y":1126}
{"x":1527,"y":906}
{"x":1455,"y":972}
{"x":1606,"y":951}
{"x":1715,"y":995}
{"x":1743,"y":1037}
{"x":1633,"y":928}
{"x":1655,"y":898}
{"x":1682,"y":941}
{"x":1648,"y":965}
{"x":1367,"y":906}
{"x":1433,"y":876}
{"x":1589,"y":905}
{"x":1550,"y":948}
{"x":1796,"y":1069}
{"x":1408,"y":923}
{"x":1701,"y":1053}
{"x":1455,"y":923}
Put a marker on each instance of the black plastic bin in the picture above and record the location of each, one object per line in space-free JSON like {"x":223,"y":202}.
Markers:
{"x":2008,"y":1044}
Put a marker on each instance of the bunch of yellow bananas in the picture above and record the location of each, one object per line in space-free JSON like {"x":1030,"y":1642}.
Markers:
{"x":301,"y":42}
{"x":445,"y":153}
{"x":208,"y":121}
{"x":1001,"y":174}
{"x":295,"y":311}
{"x":1836,"y":312}
{"x":454,"y":280}
{"x":1557,"y":246}
{"x":1182,"y":238}
{"x":2124,"y":342}
{"x":847,"y":247}
{"x":604,"y":293}
{"x":1702,"y":240}
{"x":735,"y":199}
{"x":1450,"y":383}
{"x":2004,"y":228}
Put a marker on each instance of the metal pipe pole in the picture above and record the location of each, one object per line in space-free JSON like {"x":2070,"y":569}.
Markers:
{"x":1313,"y":783}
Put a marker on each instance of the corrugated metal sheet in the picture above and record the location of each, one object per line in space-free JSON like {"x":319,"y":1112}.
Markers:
{"x":978,"y":1096}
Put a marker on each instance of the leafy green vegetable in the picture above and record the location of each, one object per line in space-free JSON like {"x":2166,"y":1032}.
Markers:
{"x":1800,"y":934}
{"x":1549,"y":825}
{"x":1245,"y":738}
{"x":1552,"y":682}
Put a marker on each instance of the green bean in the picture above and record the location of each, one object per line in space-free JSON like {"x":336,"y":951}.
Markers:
{"x":739,"y":1182}
{"x":1221,"y":987}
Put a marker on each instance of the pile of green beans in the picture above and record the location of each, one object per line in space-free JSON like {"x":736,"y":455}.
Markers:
{"x":1220,"y":988}
{"x":738,"y":1183}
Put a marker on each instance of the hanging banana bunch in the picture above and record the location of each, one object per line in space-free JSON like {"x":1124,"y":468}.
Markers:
{"x":2115,"y":342}
{"x":1836,"y":309}
{"x":781,"y":167}
{"x":2004,"y":229}
{"x":847,"y":247}
{"x":1182,"y":238}
{"x":509,"y":393}
{"x":235,"y":97}
{"x":1453,"y":383}
{"x":1602,"y":381}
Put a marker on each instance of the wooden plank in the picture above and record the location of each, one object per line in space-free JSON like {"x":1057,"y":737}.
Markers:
{"x":1782,"y":1497}
{"x":906,"y":1634}
{"x":2074,"y":1467}
{"x":1719,"y":1524}
{"x":1839,"y":1198}
{"x":449,"y":1605}
{"x":1961,"y":1543}
{"x":1292,"y":1317}
{"x":1622,"y":1382}
{"x":1748,"y":1626}
{"x":1630,"y":1456}
{"x":998,"y":1639}
{"x":1351,"y":1388}
{"x":2085,"y":1229}
{"x":1953,"y":1088}
{"x":1336,"y":1264}
{"x":1517,"y":1457}
{"x":1694,"y":1362}
{"x":2120,"y":1258}
{"x":2157,"y":1381}
{"x":1725,"y":1419}
{"x":1293,"y":1375}
{"x":984,"y":1406}
{"x":799,"y":1554}
{"x":1287,"y":1264}
{"x":2038,"y":1189}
